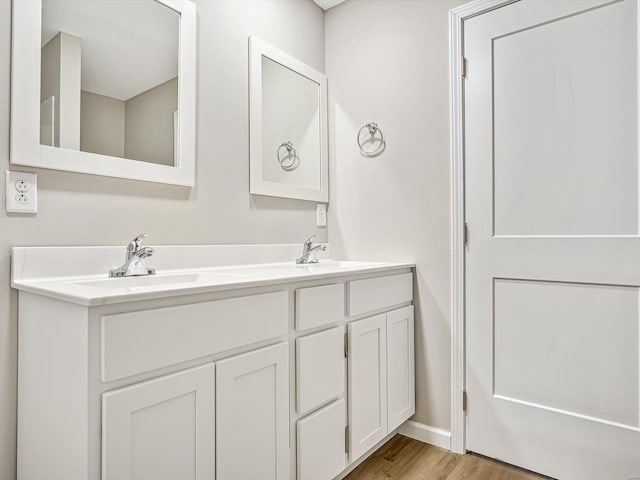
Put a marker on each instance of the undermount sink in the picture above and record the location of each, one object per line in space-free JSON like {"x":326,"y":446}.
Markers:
{"x":151,"y":280}
{"x":295,"y":269}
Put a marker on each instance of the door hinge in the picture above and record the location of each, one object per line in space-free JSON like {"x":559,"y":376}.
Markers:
{"x":465,"y":234}
{"x":463,"y":67}
{"x":464,"y":401}
{"x":346,"y":345}
{"x":346,"y":439}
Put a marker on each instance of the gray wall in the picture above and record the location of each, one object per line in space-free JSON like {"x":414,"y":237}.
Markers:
{"x":148,"y":124}
{"x":387,"y":62}
{"x":88,"y":210}
{"x":101,"y":124}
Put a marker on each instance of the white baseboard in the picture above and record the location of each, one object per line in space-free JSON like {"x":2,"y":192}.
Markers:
{"x":426,"y":434}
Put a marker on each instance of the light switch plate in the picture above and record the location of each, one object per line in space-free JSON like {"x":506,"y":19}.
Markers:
{"x":21,"y":192}
{"x":321,"y":215}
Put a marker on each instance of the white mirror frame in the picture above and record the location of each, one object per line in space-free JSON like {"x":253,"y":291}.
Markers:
{"x":25,"y":106}
{"x":258,"y":186}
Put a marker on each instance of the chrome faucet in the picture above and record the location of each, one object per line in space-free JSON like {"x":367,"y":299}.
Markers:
{"x":134,"y":264}
{"x":309,"y":251}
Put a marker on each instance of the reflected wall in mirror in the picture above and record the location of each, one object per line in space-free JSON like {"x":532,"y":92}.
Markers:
{"x":288,"y":126}
{"x":105,"y":87}
{"x":94,"y":97}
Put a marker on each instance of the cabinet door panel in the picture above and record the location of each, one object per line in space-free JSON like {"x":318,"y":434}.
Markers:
{"x":252,"y":408}
{"x":162,"y":429}
{"x":401,"y":403}
{"x":321,"y":452}
{"x":319,"y":368}
{"x":367,"y":384}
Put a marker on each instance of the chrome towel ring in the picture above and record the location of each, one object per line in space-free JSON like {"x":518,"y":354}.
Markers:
{"x":373,"y":129}
{"x":290,"y":160}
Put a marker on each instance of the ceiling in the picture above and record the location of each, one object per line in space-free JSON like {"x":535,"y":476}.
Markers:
{"x":327,"y":4}
{"x":118,"y":36}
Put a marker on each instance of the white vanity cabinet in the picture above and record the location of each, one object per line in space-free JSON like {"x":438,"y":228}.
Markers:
{"x":381,"y":377}
{"x":168,"y":428}
{"x":290,"y":380}
{"x":381,"y":361}
{"x":377,"y":353}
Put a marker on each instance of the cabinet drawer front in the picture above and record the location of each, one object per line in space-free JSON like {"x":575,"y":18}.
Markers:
{"x":380,"y":292}
{"x":321,"y":443}
{"x":320,"y":367}
{"x":137,"y":342}
{"x":319,"y":306}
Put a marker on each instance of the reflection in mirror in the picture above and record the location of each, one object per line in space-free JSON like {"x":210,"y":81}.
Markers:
{"x":290,"y":126}
{"x":94,"y":95}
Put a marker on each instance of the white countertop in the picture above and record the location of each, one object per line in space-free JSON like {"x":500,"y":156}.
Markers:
{"x":92,"y":289}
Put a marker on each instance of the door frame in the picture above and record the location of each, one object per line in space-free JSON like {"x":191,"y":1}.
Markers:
{"x":457,"y":17}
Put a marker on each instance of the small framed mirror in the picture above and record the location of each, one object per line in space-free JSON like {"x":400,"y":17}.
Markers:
{"x":105,"y":87}
{"x":288,"y":126}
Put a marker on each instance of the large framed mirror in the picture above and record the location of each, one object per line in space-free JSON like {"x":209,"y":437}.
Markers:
{"x":288,"y":126}
{"x":105,"y":87}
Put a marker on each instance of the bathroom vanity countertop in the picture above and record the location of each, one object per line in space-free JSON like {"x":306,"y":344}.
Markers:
{"x":93,"y":290}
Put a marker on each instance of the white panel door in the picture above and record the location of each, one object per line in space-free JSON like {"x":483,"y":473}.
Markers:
{"x":367,"y":384}
{"x":401,"y":396}
{"x":321,"y":443}
{"x":553,"y":258}
{"x":252,"y":411}
{"x":162,"y":429}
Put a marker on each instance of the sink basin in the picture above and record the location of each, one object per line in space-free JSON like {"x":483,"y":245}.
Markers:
{"x":152,"y":280}
{"x":277,"y":270}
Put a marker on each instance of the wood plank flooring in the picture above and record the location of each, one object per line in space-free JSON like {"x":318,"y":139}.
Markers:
{"x":403,"y":458}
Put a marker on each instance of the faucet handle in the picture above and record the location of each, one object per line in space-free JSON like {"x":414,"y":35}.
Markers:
{"x":309,"y":241}
{"x":145,"y":252}
{"x":135,"y":244}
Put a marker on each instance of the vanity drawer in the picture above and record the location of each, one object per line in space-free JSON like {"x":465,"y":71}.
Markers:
{"x":380,"y":292}
{"x":137,"y":342}
{"x":320,"y":368}
{"x":320,"y":443}
{"x":319,"y":306}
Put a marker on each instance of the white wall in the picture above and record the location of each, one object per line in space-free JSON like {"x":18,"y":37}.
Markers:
{"x":387,"y":62}
{"x":79,"y":209}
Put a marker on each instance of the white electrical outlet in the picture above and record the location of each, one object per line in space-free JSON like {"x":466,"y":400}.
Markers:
{"x":321,"y":215}
{"x":21,"y":192}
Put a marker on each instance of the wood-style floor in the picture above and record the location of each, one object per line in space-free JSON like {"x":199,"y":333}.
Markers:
{"x":403,"y":458}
